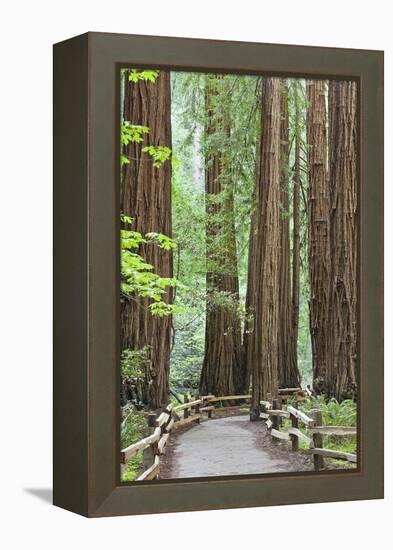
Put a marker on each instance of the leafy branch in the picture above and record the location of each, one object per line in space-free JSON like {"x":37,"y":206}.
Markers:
{"x":149,"y":76}
{"x":159,"y":154}
{"x":138,"y":278}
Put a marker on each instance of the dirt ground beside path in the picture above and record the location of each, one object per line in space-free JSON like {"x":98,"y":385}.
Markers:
{"x":228,"y":446}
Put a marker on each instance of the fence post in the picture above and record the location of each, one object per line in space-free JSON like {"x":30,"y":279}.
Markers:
{"x":275,"y":419}
{"x":148,"y":455}
{"x":197,"y":410}
{"x":279,"y":406}
{"x":316,"y":414}
{"x":295,"y":424}
{"x":164,"y":427}
{"x":210,"y":413}
{"x":151,"y":421}
{"x":186,"y":411}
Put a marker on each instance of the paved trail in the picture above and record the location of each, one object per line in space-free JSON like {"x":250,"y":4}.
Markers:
{"x":228,"y":446}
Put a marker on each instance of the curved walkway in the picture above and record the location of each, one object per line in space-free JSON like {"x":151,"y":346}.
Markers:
{"x":228,"y":446}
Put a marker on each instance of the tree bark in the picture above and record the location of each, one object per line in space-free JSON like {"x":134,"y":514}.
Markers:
{"x":318,"y":226}
{"x":222,"y":372}
{"x":264,"y":299}
{"x":146,"y":198}
{"x":248,"y":338}
{"x":296,"y":229}
{"x":288,"y":375}
{"x":343,"y":238}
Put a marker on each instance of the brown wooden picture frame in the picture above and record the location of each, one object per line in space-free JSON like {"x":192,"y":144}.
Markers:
{"x":86,"y":275}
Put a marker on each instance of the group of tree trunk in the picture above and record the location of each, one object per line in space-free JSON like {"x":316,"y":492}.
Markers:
{"x":264,"y":357}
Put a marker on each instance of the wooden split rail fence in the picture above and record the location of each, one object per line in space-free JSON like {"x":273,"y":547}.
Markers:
{"x":274,"y":412}
{"x":172,"y":418}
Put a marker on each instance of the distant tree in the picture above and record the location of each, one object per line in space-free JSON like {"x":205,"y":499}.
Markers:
{"x":249,"y":322}
{"x":222,"y":372}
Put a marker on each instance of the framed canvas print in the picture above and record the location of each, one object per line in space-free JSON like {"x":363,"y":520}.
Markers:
{"x":218,"y":260}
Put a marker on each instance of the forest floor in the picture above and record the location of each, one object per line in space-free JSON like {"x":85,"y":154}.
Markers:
{"x":228,"y":446}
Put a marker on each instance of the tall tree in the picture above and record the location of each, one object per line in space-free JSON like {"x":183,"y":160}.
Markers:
{"x":146,"y":198}
{"x":248,"y":328}
{"x":264,"y":290}
{"x":222,"y":372}
{"x":343,"y":241}
{"x":318,"y":226}
{"x":296,"y":226}
{"x":248,"y":338}
{"x":288,"y":374}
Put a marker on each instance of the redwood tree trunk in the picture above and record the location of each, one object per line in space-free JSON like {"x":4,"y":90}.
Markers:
{"x":343,"y":241}
{"x":288,"y":375}
{"x":318,"y":222}
{"x":222,"y":372}
{"x":248,"y":338}
{"x":296,"y":230}
{"x":264,"y":300}
{"x":146,"y":197}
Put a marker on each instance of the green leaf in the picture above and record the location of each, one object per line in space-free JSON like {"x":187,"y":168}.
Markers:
{"x":159,"y":154}
{"x":149,"y":75}
{"x":132,"y":133}
{"x":138,"y":277}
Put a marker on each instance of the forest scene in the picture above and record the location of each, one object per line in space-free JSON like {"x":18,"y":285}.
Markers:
{"x":238,"y":262}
